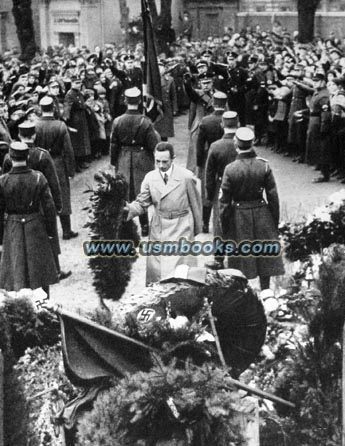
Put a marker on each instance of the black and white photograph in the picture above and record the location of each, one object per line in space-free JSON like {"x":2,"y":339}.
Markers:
{"x":172,"y":222}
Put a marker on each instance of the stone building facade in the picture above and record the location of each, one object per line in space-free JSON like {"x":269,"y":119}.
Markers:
{"x":214,"y":17}
{"x":95,"y":22}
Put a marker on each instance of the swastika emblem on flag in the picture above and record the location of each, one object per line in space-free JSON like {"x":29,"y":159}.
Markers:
{"x":145,"y":315}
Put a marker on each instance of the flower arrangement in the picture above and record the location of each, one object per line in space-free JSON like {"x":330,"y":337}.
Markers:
{"x":106,"y":222}
{"x":194,"y":405}
{"x":319,"y":230}
{"x":177,"y":337}
{"x":46,"y":389}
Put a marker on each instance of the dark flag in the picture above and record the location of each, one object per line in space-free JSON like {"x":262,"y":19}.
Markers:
{"x":152,"y":90}
{"x":92,"y":352}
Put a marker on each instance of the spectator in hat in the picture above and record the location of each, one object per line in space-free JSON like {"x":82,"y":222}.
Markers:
{"x":93,"y":123}
{"x":282,"y":96}
{"x":27,"y":259}
{"x":187,"y":27}
{"x":165,"y":125}
{"x":210,"y":130}
{"x":131,"y":76}
{"x":221,"y":153}
{"x":132,"y":141}
{"x":75,"y":116}
{"x":245,"y":213}
{"x":4,"y":130}
{"x":318,"y":133}
{"x":297,"y":119}
{"x":52,"y":134}
{"x":54,"y":92}
{"x":105,"y":110}
{"x":336,"y":88}
{"x":235,"y":78}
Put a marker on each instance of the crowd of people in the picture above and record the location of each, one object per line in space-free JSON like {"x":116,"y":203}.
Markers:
{"x":72,"y":105}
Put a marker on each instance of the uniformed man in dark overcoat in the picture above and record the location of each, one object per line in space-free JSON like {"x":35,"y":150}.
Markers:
{"x":132,"y":143}
{"x":221,"y":153}
{"x":40,"y":159}
{"x":245,"y":214}
{"x":235,"y":78}
{"x":298,"y":121}
{"x":318,"y":134}
{"x":210,"y":130}
{"x":27,"y":221}
{"x":53,"y":135}
{"x":201,"y":105}
{"x":165,"y":125}
{"x":75,"y":116}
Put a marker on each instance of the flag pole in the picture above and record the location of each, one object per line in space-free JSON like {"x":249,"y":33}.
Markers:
{"x":144,"y":85}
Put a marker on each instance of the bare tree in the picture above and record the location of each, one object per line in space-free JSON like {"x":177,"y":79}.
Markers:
{"x":22,"y":13}
{"x":306,"y":18}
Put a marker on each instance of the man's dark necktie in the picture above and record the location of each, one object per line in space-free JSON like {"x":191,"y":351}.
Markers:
{"x":166,"y":177}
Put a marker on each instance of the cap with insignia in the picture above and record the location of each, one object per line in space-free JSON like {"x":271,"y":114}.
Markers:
{"x":133,"y":95}
{"x":245,"y":137}
{"x":75,"y":78}
{"x":26,"y":129}
{"x":205,"y":78}
{"x":219,"y":99}
{"x":319,"y":76}
{"x":253,"y":59}
{"x":18,"y":146}
{"x":201,"y":63}
{"x":46,"y":100}
{"x":207,"y":53}
{"x":230,"y":119}
{"x":46,"y":103}
{"x":231,"y":55}
{"x":126,"y":57}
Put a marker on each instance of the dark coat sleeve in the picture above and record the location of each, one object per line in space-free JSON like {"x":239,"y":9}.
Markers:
{"x":200,"y":145}
{"x":68,"y":152}
{"x":47,"y":167}
{"x":152,"y":138}
{"x":48,"y":206}
{"x":211,"y":175}
{"x":272,"y":195}
{"x":2,"y":213}
{"x":68,"y":104}
{"x":7,"y":164}
{"x":225,"y":201}
{"x":114,"y":145}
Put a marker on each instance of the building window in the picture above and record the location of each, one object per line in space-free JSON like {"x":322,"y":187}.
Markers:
{"x":67,"y":39}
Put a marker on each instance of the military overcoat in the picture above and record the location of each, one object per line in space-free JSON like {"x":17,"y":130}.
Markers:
{"x":75,"y":116}
{"x":165,"y":125}
{"x":27,"y":220}
{"x":53,"y":135}
{"x":246,"y":215}
{"x":132,"y":144}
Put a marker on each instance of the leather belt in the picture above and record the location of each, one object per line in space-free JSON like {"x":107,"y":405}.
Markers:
{"x":23,"y":218}
{"x":315,"y":115}
{"x":250,"y":204}
{"x":172,"y":215}
{"x":133,"y":148}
